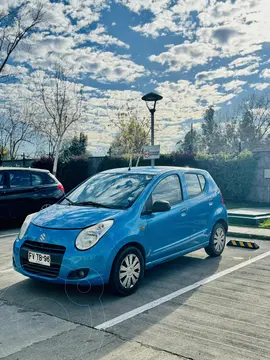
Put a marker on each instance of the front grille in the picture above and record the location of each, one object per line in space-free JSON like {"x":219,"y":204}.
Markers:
{"x":56,"y":253}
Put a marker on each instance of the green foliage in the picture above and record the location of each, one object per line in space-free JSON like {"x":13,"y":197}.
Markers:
{"x":132,"y":133}
{"x":44,"y":162}
{"x":233,"y":174}
{"x":265,"y":224}
{"x":74,"y":171}
{"x":191,"y":143}
{"x":77,"y":146}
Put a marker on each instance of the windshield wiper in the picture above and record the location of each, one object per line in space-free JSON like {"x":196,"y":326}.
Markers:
{"x":92,"y":203}
{"x":66,"y":198}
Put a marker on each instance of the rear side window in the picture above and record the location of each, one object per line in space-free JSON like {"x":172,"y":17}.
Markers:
{"x":19,"y":178}
{"x":193,"y":185}
{"x":37,"y":179}
{"x":168,"y":189}
{"x":49,"y":179}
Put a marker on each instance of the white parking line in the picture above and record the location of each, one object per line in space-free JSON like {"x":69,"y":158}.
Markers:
{"x":162,"y":300}
{"x":7,"y":235}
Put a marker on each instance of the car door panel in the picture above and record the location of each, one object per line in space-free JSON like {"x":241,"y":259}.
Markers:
{"x":20,"y":194}
{"x":201,"y":206}
{"x":167,"y":233}
{"x":3,"y":195}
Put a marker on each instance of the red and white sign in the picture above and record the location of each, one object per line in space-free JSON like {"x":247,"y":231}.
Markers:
{"x":151,"y":152}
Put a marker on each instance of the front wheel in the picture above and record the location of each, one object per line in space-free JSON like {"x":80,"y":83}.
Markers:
{"x":127,"y":271}
{"x":217,"y":241}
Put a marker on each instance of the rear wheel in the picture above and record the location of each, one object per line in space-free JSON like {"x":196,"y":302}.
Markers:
{"x":217,"y":241}
{"x":127,"y":271}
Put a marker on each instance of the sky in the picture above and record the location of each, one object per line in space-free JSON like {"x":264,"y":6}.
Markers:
{"x":195,"y":53}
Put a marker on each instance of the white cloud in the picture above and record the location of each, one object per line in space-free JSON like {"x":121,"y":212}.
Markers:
{"x":185,"y":56}
{"x":242,"y":61}
{"x":235,"y":85}
{"x":224,"y":72}
{"x":265,"y":73}
{"x":100,"y":36}
{"x":260,"y":86}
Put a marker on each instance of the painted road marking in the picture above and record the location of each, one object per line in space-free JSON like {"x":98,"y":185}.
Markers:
{"x":7,"y":235}
{"x":162,"y":300}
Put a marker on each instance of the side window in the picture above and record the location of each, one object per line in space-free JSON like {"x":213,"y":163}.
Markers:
{"x":1,"y":179}
{"x":37,"y":179}
{"x":193,"y":185}
{"x":19,"y":178}
{"x":202,"y":181}
{"x":49,"y":179}
{"x":168,"y":189}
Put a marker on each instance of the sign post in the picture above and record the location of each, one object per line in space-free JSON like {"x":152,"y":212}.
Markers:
{"x":151,"y":152}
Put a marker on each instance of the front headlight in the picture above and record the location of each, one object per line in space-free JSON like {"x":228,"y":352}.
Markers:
{"x":25,"y":225}
{"x":87,"y":238}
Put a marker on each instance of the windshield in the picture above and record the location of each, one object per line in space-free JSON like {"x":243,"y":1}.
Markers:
{"x":109,"y":190}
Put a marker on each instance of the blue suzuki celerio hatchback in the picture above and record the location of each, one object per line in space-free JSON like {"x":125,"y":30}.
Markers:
{"x":120,"y":222}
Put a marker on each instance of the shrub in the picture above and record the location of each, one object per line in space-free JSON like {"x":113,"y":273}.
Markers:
{"x":73,"y":172}
{"x":44,"y":162}
{"x":233,"y":173}
{"x":265,"y":224}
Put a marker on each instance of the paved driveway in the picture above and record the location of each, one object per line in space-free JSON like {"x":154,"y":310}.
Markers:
{"x":194,"y":307}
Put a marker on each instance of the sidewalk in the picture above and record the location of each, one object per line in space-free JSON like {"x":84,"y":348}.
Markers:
{"x":249,"y":232}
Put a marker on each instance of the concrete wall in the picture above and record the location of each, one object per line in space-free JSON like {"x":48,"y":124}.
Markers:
{"x":260,"y":191}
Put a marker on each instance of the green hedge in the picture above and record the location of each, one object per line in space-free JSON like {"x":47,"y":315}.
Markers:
{"x":233,"y":173}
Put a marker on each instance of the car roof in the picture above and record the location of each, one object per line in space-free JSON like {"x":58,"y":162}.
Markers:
{"x":157,"y":170}
{"x":22,"y":169}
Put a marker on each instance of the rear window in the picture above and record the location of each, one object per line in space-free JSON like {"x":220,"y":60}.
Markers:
{"x":193,"y":185}
{"x":19,"y":178}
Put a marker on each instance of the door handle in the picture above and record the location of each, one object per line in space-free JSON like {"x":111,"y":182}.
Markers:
{"x":184,"y":212}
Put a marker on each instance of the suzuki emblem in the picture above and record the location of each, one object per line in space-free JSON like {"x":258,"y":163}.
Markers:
{"x":42,"y":237}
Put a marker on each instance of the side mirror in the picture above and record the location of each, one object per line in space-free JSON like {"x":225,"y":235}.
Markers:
{"x":161,"y":206}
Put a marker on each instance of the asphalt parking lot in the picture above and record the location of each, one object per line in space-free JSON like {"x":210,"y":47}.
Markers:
{"x":194,"y":307}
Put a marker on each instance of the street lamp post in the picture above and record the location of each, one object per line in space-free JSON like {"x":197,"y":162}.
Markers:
{"x":152,"y":98}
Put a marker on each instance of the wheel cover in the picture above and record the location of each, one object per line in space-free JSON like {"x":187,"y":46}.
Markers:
{"x":219,"y":239}
{"x":45,"y":206}
{"x":130,"y":270}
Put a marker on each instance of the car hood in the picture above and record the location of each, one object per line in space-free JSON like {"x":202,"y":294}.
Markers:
{"x":72,"y":217}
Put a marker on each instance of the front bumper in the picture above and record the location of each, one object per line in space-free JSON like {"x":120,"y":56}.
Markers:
{"x":65,"y":258}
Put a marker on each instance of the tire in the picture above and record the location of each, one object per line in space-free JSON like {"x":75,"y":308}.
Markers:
{"x":134,"y":273}
{"x":217,"y":241}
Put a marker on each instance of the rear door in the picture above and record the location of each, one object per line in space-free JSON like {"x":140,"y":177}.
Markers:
{"x":200,"y":206}
{"x":20,"y":193}
{"x":45,"y":189}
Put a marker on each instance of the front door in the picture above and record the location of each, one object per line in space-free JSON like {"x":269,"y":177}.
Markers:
{"x":3,"y":195}
{"x":166,"y":231}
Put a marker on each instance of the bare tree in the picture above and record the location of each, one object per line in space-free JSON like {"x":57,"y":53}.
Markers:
{"x":133,"y":133}
{"x":16,"y":23}
{"x":62,"y":102}
{"x":16,"y":129}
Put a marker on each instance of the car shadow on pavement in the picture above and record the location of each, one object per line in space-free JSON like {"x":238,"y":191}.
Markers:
{"x":93,"y":306}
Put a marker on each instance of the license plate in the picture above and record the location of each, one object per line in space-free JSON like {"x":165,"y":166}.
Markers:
{"x":37,"y":258}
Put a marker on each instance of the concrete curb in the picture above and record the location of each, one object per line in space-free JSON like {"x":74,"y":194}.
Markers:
{"x":248,"y":236}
